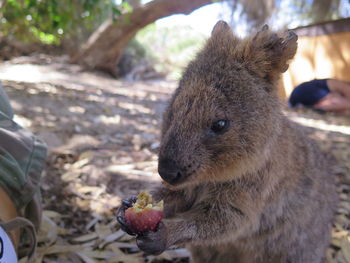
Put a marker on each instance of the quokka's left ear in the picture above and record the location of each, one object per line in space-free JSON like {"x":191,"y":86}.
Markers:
{"x":267,"y":53}
{"x":222,"y":38}
{"x":220,"y":29}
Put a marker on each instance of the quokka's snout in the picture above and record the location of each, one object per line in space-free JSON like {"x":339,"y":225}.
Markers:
{"x":176,"y":171}
{"x":170,"y":171}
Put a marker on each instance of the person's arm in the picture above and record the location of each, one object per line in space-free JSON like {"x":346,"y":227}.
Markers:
{"x":333,"y":102}
{"x":341,"y":87}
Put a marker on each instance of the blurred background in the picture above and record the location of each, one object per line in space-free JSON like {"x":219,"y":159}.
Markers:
{"x":138,"y":39}
{"x":92,"y":78}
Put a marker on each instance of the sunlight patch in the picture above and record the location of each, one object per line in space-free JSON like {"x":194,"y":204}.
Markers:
{"x":22,"y":121}
{"x":322,"y":125}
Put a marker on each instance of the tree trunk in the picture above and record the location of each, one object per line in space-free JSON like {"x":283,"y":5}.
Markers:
{"x":104,"y":47}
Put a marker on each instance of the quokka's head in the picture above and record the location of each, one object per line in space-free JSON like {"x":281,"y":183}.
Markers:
{"x":225,"y":114}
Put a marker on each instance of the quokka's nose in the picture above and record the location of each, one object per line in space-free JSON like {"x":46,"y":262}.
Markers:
{"x":169,"y":171}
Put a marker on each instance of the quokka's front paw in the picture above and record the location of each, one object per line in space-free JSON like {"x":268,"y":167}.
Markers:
{"x":126,"y":204}
{"x":153,"y":242}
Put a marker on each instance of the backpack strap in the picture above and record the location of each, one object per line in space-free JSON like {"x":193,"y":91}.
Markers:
{"x":21,"y":222}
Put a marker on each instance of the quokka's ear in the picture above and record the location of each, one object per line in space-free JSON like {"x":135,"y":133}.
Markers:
{"x":220,"y":29}
{"x":267,"y":53}
{"x":222,"y":37}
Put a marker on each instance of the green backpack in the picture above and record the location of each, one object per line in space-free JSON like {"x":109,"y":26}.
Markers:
{"x":22,"y":158}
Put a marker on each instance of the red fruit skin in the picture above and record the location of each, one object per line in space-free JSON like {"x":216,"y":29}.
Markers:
{"x":147,"y":219}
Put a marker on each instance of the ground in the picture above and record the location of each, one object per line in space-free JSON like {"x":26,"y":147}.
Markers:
{"x":103,"y":138}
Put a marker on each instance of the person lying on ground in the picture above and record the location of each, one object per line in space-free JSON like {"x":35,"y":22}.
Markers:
{"x":322,"y":94}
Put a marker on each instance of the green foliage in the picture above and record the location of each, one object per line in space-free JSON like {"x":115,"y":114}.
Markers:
{"x":171,"y":47}
{"x":296,"y":13}
{"x":53,"y":21}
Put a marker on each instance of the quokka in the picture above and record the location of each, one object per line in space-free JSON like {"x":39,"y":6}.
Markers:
{"x":243,"y":184}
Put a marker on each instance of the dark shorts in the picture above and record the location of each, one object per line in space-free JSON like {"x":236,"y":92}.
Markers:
{"x":309,"y":93}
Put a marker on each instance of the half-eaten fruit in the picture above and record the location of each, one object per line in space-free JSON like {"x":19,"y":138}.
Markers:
{"x":144,"y":214}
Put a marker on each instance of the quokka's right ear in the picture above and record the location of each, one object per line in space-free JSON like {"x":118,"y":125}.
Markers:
{"x":268,"y":53}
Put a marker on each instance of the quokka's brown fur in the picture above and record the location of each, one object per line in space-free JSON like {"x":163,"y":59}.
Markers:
{"x":259,"y":191}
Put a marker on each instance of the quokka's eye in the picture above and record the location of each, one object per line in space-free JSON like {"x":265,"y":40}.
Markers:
{"x":219,"y":126}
